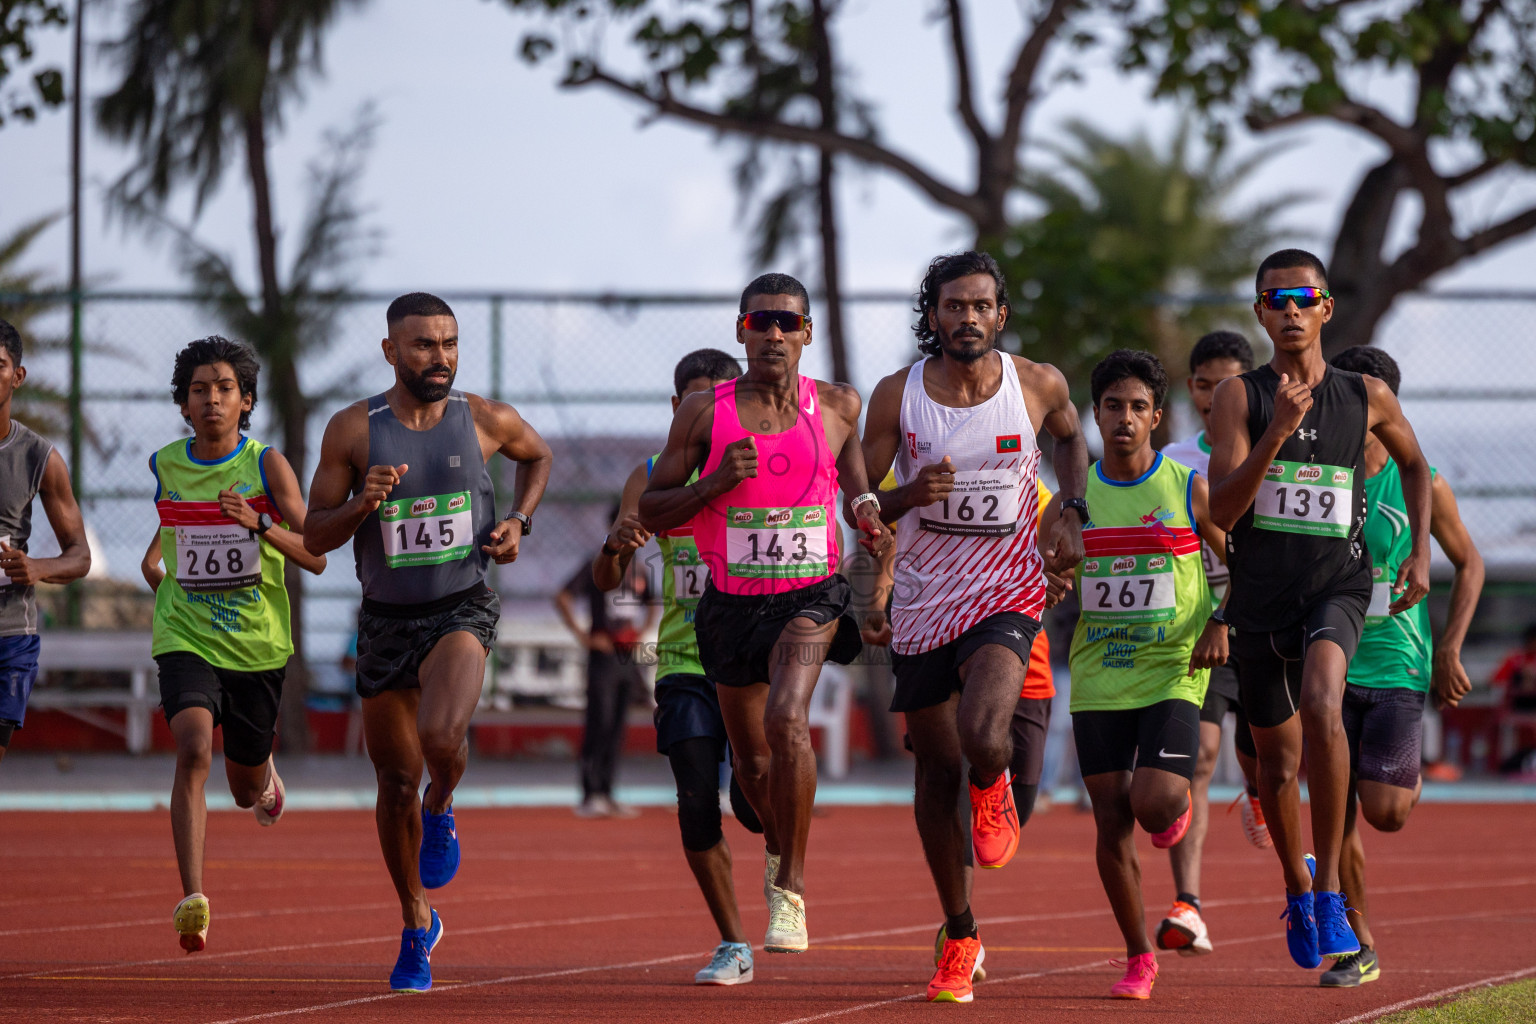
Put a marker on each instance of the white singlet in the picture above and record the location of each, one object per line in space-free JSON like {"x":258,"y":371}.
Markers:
{"x":973,"y":554}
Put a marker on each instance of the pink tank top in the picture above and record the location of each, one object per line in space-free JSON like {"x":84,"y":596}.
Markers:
{"x":774,"y":532}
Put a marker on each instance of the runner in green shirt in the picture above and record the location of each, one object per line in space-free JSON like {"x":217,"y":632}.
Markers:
{"x":1144,"y":644}
{"x":1393,"y":670}
{"x":689,"y":729}
{"x":230,"y":514}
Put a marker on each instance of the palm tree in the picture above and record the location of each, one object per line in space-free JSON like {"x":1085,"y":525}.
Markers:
{"x":26,"y":295}
{"x":201,"y":81}
{"x":1130,"y":241}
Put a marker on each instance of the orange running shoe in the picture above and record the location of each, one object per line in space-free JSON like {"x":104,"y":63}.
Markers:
{"x":1140,"y":973}
{"x":994,"y":823}
{"x":958,"y":963}
{"x":1254,"y":825}
{"x":1173,"y":833}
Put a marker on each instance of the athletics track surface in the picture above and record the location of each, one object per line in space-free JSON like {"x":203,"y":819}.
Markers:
{"x":556,"y":918}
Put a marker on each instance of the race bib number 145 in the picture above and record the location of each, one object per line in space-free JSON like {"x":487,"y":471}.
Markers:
{"x":426,"y":530}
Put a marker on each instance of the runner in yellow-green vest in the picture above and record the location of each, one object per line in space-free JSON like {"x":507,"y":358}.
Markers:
{"x":1145,"y":641}
{"x":1393,"y":669}
{"x":689,"y":729}
{"x":230,"y":514}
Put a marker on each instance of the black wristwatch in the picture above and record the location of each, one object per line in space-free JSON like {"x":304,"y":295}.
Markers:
{"x":1219,"y":616}
{"x":1078,"y":505}
{"x":526,"y":520}
{"x":263,"y":524}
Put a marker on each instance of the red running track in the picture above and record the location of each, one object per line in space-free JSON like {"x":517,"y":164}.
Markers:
{"x":557,"y":918}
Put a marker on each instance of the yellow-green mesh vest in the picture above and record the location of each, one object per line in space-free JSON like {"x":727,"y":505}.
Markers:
{"x":1143,"y":593}
{"x":683,"y":575}
{"x":245,"y":627}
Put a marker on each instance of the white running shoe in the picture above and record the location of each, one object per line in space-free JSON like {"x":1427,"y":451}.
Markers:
{"x":731,"y":964}
{"x":1184,"y":930}
{"x":786,"y":923}
{"x":770,"y":872}
{"x":270,"y":807}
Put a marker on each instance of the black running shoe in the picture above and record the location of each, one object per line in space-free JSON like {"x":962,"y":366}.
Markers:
{"x":1352,"y":971}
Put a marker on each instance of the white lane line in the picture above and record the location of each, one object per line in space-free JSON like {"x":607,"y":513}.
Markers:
{"x":1380,"y":1011}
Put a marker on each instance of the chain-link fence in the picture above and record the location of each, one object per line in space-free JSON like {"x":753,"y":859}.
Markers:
{"x":593,"y":374}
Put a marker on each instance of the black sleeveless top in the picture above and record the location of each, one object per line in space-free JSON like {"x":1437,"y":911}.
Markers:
{"x":1302,"y":539}
{"x":423,"y":543}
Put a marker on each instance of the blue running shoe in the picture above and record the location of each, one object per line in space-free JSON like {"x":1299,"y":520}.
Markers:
{"x":1301,"y":930}
{"x":1335,"y":938}
{"x":413,"y":971}
{"x":1311,"y":865}
{"x":439,"y":860}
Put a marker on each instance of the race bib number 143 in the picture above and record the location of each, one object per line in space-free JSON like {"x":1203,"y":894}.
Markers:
{"x":776,"y":543}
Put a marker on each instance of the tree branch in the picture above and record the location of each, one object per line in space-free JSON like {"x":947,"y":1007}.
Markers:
{"x":1489,"y":237}
{"x":1402,"y":141}
{"x":965,"y":100}
{"x":1471,"y":174}
{"x":1021,"y":79}
{"x":666,"y":105}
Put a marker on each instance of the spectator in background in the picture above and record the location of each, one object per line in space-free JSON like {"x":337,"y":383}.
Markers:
{"x":618,"y":618}
{"x":1515,"y":681}
{"x":1516,"y":677}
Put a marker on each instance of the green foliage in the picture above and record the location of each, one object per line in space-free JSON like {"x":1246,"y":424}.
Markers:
{"x":19,"y":21}
{"x":1474,"y":63}
{"x":192,"y":73}
{"x":1125,"y":231}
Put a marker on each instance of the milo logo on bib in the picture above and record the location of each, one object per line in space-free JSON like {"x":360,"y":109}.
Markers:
{"x":1125,"y":564}
{"x":1157,"y":561}
{"x":777,"y":543}
{"x":1293,"y":498}
{"x":435,"y":528}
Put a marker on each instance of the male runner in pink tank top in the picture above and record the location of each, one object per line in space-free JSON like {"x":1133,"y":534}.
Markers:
{"x":970,"y":586}
{"x":770,"y":448}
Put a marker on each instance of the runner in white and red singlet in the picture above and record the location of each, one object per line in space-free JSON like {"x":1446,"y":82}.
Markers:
{"x":770,"y":448}
{"x":969,"y":582}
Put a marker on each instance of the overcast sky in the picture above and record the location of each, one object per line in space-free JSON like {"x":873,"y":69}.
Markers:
{"x":486,"y":175}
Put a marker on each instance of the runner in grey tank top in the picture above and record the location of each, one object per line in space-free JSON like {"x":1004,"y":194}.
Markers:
{"x":429,"y":539}
{"x":403,"y":475}
{"x":29,"y":467}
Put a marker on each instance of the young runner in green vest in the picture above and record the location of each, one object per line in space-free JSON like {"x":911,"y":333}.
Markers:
{"x":1144,"y":644}
{"x":230,"y":515}
{"x":689,"y":729}
{"x":1393,"y":671}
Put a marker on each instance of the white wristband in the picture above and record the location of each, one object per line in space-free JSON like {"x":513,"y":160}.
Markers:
{"x":866,"y":496}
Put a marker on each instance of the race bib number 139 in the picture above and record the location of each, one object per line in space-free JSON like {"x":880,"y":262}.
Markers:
{"x":1298,"y":497}
{"x":426,"y":530}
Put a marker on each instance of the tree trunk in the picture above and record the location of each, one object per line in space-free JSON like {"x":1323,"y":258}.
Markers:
{"x":831,"y":267}
{"x":287,"y":399}
{"x":1358,"y":276}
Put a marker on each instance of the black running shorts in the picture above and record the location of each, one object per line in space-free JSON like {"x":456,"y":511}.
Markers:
{"x":1031,"y":719}
{"x":737,"y":633}
{"x":1385,"y":730}
{"x":1270,"y":663}
{"x":244,"y":704}
{"x":1222,"y":696}
{"x":927,"y":679}
{"x":393,"y":640}
{"x":1164,"y":735}
{"x":687,"y":708}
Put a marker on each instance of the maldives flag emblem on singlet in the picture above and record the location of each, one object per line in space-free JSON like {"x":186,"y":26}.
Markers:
{"x":1009,"y":443}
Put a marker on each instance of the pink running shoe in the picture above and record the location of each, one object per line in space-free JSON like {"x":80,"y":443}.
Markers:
{"x":270,"y":807}
{"x":1173,"y":833}
{"x":1140,"y":973}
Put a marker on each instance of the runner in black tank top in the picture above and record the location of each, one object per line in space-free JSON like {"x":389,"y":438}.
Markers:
{"x":1287,"y":466}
